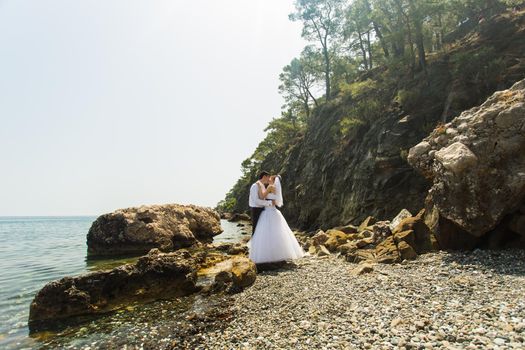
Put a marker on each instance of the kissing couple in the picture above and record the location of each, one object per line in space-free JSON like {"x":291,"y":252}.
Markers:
{"x":272,"y":239}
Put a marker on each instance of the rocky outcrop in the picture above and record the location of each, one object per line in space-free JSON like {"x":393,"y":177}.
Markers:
{"x":374,"y":241}
{"x":209,"y":268}
{"x":476,"y":164}
{"x":152,"y":277}
{"x":137,"y":230}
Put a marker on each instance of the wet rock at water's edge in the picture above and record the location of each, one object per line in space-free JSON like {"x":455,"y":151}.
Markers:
{"x":137,"y":230}
{"x":155,"y":276}
{"x":236,"y":217}
{"x":152,"y":277}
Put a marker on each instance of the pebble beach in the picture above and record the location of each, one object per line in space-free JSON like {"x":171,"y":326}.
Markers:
{"x":439,"y":301}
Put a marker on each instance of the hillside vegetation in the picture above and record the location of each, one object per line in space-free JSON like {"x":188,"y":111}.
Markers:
{"x":390,"y":71}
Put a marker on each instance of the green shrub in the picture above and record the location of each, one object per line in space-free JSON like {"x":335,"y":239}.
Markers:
{"x":483,"y":66}
{"x":227,"y":205}
{"x":348,"y":123}
{"x":408,"y":99}
{"x":359,"y":88}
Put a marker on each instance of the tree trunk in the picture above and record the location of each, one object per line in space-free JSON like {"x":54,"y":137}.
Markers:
{"x":421,"y":50}
{"x":441,"y":33}
{"x":363,"y":50}
{"x":381,"y":40}
{"x":313,"y":98}
{"x":327,"y":71}
{"x":400,"y":30}
{"x":418,"y":28}
{"x":371,"y":65}
{"x":410,"y":42}
{"x":306,"y":109}
{"x":378,"y":31}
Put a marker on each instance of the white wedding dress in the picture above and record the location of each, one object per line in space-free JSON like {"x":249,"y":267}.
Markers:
{"x":273,"y":240}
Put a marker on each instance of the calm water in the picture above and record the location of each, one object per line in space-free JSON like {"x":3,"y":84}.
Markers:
{"x":37,"y":250}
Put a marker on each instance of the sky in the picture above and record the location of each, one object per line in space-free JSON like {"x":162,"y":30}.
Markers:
{"x":110,"y":104}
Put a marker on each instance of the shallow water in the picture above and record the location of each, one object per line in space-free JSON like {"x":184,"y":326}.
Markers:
{"x":37,"y":250}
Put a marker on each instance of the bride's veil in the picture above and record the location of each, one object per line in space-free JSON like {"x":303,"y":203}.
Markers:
{"x":279,"y":191}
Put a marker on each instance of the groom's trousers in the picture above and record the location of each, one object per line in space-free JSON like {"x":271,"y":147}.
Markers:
{"x":256,"y":213}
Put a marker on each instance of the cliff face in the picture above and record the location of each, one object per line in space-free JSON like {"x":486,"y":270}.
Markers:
{"x":332,"y":178}
{"x":326,"y":186}
{"x":477,"y":166}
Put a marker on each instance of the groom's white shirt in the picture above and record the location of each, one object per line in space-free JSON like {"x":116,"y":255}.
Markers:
{"x":255,"y":201}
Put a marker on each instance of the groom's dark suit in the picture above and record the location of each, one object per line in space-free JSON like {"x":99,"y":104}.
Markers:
{"x":255,"y":214}
{"x":257,"y":205}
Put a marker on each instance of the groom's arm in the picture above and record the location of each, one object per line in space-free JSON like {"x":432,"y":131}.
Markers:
{"x":254,"y":193}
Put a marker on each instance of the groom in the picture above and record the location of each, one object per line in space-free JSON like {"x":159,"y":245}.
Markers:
{"x":256,"y":203}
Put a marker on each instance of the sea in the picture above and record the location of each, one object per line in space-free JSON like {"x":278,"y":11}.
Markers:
{"x":37,"y":250}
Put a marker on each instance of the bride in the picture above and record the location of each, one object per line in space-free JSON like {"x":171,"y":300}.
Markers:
{"x":273,"y":240}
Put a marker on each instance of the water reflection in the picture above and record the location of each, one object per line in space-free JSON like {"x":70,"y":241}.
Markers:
{"x":107,"y":263}
{"x":233,"y":231}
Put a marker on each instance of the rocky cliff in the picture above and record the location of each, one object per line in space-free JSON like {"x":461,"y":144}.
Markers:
{"x":476,"y":164}
{"x":337,"y":174}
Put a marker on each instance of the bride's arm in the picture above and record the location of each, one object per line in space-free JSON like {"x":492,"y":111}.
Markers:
{"x":262,"y":192}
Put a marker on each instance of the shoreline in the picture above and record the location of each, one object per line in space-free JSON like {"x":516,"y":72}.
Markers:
{"x":450,"y":300}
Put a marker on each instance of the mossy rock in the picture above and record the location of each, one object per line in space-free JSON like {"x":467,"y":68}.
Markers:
{"x":335,"y":239}
{"x":386,"y":252}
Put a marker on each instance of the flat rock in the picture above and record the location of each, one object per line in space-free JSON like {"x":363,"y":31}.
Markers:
{"x":152,"y":277}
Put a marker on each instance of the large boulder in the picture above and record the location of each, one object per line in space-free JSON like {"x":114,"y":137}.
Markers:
{"x":152,"y":277}
{"x":243,"y":272}
{"x":319,"y":238}
{"x":226,"y":216}
{"x":368,"y":222}
{"x":348,"y":229}
{"x":477,"y":166}
{"x":137,"y":230}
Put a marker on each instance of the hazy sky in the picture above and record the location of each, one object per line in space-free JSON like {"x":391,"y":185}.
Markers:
{"x":109,"y":104}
